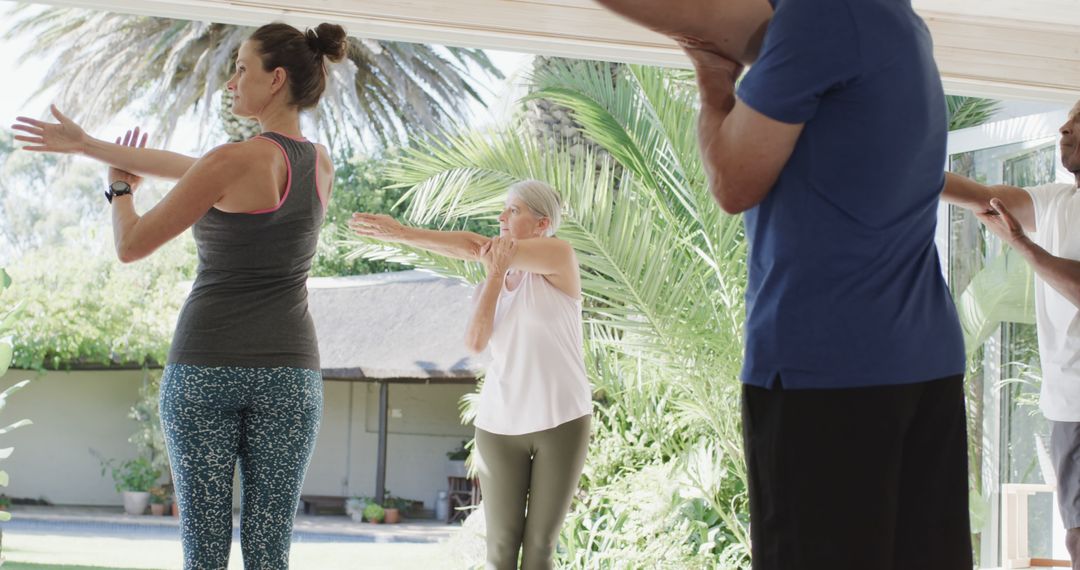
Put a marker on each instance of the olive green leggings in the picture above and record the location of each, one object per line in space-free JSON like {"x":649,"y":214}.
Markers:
{"x":539,"y":469}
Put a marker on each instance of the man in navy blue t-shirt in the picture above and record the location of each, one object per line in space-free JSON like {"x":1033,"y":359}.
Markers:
{"x":853,"y":407}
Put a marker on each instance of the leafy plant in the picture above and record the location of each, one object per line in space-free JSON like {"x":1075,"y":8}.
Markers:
{"x":149,"y":438}
{"x":136,"y":475}
{"x":82,"y":307}
{"x":354,"y":506}
{"x":8,"y":318}
{"x":964,"y":112}
{"x":159,"y":496}
{"x":400,"y":503}
{"x":374,"y":513}
{"x":459,"y":454}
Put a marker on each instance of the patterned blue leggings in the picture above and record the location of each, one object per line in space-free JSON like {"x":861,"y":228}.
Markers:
{"x":267,"y":418}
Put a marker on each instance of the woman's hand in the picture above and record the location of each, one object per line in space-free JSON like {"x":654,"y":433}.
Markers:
{"x":117,"y":175}
{"x":497,"y":255}
{"x":378,"y":226}
{"x":64,"y":137}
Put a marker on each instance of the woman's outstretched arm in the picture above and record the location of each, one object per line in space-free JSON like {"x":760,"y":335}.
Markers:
{"x":67,"y":137}
{"x":551,"y":257}
{"x":459,"y":245}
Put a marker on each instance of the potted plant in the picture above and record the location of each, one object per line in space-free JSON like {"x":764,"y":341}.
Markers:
{"x":395,"y":508}
{"x":133,"y":479}
{"x":456,"y":464}
{"x":354,"y":507}
{"x":5,"y":502}
{"x":174,"y":506}
{"x":159,"y":499}
{"x":374,"y":513}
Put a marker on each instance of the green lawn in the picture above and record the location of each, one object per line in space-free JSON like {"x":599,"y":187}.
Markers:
{"x":28,"y":566}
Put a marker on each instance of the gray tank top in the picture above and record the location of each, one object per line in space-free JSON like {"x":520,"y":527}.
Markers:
{"x":248,"y":306}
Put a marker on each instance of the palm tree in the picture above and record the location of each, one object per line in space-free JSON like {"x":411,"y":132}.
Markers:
{"x":662,"y":277}
{"x":387,"y":91}
{"x":550,"y":122}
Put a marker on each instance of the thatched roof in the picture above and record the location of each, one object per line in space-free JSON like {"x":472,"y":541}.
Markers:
{"x":402,"y":326}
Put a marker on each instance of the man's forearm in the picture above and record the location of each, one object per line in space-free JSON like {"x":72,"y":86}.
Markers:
{"x":1060,"y":273}
{"x":717,"y":100}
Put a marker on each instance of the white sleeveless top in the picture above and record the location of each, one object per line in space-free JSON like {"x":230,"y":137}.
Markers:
{"x":536,"y":380}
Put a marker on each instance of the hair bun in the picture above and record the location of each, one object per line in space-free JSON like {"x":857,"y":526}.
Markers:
{"x":328,"y":40}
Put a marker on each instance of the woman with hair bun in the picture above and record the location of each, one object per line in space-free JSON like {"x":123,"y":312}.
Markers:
{"x":242,"y":382}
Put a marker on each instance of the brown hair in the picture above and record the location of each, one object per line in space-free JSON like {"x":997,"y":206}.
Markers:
{"x":301,"y":55}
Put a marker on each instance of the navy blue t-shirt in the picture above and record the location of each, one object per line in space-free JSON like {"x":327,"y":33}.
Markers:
{"x":845,"y":287}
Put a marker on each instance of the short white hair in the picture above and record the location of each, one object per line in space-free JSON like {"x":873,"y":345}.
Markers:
{"x":542,"y":199}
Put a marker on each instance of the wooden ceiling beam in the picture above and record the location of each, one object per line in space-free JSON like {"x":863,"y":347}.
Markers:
{"x":994,"y":48}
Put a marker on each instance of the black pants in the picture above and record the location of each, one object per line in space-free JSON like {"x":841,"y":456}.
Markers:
{"x":858,"y":479}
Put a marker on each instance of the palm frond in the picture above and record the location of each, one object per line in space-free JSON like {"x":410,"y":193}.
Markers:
{"x":389,"y":93}
{"x":967,"y":112}
{"x":644,"y":117}
{"x":1003,"y":291}
{"x":656,"y":306}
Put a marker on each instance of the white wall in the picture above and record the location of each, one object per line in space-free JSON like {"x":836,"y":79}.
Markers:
{"x":423,"y":426}
{"x":74,"y":412}
{"x":429,"y":426}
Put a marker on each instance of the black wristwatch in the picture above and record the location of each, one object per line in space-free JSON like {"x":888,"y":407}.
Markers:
{"x":118,"y":188}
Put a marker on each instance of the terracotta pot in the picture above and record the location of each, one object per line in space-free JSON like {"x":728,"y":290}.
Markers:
{"x":175,"y":509}
{"x":374,"y":521}
{"x":157,"y":509}
{"x":392,"y":516}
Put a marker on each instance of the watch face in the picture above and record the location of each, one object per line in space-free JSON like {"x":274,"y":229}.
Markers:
{"x":120,"y":186}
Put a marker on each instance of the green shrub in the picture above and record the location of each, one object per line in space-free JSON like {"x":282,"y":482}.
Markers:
{"x":374,"y":513}
{"x":136,"y":475}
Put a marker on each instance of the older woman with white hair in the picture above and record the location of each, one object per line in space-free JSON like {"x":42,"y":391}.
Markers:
{"x":532,"y":427}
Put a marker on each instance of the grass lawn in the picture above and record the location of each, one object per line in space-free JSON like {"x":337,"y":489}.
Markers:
{"x":24,"y":566}
{"x":39,"y":552}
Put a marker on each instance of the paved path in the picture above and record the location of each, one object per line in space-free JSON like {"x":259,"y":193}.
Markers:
{"x":112,"y":522}
{"x":106,"y":537}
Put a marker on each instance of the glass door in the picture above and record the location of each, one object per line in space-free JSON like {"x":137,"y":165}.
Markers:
{"x":994,"y":298}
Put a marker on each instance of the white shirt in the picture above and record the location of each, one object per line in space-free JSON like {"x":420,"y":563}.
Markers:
{"x":536,"y":380}
{"x":1057,"y":225}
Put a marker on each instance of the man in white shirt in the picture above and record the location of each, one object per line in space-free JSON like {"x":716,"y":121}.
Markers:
{"x":1051,"y":213}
